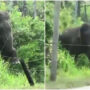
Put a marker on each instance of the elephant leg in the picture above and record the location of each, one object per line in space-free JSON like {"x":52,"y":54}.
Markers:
{"x":88,"y":53}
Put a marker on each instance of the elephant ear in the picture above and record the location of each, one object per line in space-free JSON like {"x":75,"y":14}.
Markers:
{"x":84,"y":28}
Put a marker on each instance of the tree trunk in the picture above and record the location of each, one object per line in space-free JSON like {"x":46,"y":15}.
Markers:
{"x":77,"y":9}
{"x":85,"y":15}
{"x":55,"y":41}
{"x":34,"y":8}
{"x":14,"y":3}
{"x":24,"y":9}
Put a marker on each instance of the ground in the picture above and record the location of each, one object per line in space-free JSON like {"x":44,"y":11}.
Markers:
{"x":70,"y":81}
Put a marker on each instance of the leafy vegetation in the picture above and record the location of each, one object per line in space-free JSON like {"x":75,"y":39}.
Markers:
{"x":11,"y":80}
{"x":69,"y":73}
{"x":28,"y":35}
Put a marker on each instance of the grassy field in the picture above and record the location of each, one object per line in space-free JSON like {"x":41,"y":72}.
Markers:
{"x":69,"y":73}
{"x":18,"y":82}
{"x":15,"y":80}
{"x":69,"y":79}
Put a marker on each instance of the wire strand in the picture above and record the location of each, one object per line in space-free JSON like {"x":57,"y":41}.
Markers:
{"x":70,"y":44}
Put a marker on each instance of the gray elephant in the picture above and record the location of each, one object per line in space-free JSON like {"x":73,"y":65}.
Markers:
{"x":77,"y":40}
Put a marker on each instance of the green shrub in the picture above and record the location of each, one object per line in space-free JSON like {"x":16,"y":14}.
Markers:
{"x":83,"y":60}
{"x":3,"y":6}
{"x":67,"y":20}
{"x":3,"y":72}
{"x":65,"y":61}
{"x":25,"y":28}
{"x":28,"y":35}
{"x":8,"y":79}
{"x":33,"y":54}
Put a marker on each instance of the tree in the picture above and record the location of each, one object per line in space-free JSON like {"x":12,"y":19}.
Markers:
{"x":34,"y":8}
{"x":24,"y":8}
{"x":55,"y":41}
{"x":85,"y":13}
{"x":77,"y":9}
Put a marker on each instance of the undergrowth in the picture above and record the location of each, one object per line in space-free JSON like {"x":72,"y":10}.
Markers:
{"x":14,"y":80}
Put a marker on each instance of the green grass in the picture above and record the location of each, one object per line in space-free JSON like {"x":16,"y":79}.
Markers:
{"x":69,"y":73}
{"x":70,"y":79}
{"x":10,"y":80}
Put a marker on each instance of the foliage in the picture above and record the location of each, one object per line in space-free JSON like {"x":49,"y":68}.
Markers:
{"x":3,"y":6}
{"x":28,"y":35}
{"x":74,"y":79}
{"x":9,"y":80}
{"x":65,"y":61}
{"x":69,"y":72}
{"x":67,"y":20}
{"x":40,"y":11}
{"x":33,"y":54}
{"x":83,"y":61}
{"x":49,"y":20}
{"x":26,"y":29}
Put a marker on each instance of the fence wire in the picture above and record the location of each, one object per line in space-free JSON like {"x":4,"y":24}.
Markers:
{"x":42,"y":70}
{"x":69,"y":44}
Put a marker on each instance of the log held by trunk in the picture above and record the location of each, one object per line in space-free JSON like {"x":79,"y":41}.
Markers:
{"x":30,"y":80}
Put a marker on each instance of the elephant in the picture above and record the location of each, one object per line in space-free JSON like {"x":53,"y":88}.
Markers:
{"x":76,"y":40}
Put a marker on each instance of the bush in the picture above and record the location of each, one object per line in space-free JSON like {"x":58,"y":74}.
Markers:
{"x":25,"y":28}
{"x":3,"y":71}
{"x":28,"y":35}
{"x":65,"y":61}
{"x":67,"y":19}
{"x":33,"y":55}
{"x":83,"y":60}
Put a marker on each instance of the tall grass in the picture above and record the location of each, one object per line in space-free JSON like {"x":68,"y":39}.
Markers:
{"x":17,"y":80}
{"x":69,"y":72}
